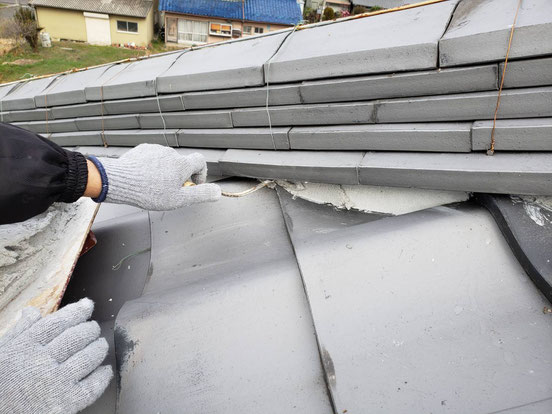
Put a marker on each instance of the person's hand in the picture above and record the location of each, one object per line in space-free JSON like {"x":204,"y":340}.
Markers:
{"x":152,"y":177}
{"x":51,"y":365}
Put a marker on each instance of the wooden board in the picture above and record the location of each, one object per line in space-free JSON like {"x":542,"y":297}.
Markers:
{"x":37,"y":258}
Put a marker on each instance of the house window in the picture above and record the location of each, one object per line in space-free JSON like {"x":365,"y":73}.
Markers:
{"x":219,"y":29}
{"x":247,"y":30}
{"x":129,"y":27}
{"x":192,"y":31}
{"x":259,"y":30}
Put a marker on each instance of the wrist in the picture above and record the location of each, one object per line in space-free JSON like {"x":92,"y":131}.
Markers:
{"x":94,"y":184}
{"x":98,"y":184}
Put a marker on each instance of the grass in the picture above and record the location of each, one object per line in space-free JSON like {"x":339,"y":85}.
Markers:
{"x":55,"y":59}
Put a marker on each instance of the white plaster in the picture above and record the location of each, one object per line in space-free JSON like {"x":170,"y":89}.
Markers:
{"x":539,"y":209}
{"x":373,"y":199}
{"x":37,"y":257}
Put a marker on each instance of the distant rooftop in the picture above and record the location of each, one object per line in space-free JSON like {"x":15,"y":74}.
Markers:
{"x":133,"y":8}
{"x":269,"y":11}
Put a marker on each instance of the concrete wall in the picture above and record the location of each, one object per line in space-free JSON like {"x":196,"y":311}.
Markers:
{"x":62,"y":24}
{"x":236,"y":24}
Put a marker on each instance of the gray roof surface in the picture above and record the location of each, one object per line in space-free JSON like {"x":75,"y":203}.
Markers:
{"x":336,"y":310}
{"x":273,"y":304}
{"x":133,"y":8}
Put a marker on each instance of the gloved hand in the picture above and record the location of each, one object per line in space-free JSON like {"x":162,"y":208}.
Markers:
{"x":51,"y":365}
{"x":151,"y":177}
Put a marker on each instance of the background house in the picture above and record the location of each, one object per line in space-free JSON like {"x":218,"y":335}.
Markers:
{"x":197,"y":22}
{"x":99,"y":22}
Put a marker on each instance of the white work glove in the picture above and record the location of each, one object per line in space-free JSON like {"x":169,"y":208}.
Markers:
{"x":151,"y":177}
{"x":51,"y":365}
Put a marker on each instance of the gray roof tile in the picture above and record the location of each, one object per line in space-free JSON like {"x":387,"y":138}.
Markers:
{"x":503,"y":173}
{"x":531,"y":72}
{"x":187,"y":119}
{"x":514,"y":134}
{"x":77,"y":138}
{"x":221,"y":66}
{"x":479,"y":31}
{"x":321,"y":167}
{"x":515,"y":103}
{"x":392,"y":42}
{"x":319,"y":114}
{"x":98,"y":123}
{"x":432,"y":82}
{"x":251,"y":138}
{"x":446,"y":137}
{"x":130,"y":80}
{"x":131,"y":138}
{"x":243,"y":97}
{"x":21,"y":96}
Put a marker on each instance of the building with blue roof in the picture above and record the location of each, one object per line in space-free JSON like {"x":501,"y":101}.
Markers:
{"x":196,"y":22}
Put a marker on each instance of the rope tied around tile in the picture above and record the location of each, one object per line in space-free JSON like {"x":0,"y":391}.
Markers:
{"x":248,"y":191}
{"x":161,"y":114}
{"x":268,"y":85}
{"x":251,"y":190}
{"x":102,"y":134}
{"x":491,"y":150}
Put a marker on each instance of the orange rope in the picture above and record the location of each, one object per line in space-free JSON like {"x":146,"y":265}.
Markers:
{"x":492,"y":149}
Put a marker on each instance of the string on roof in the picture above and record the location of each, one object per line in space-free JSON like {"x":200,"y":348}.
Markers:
{"x":492,"y":148}
{"x":102,"y":134}
{"x":161,"y":114}
{"x":268,"y":85}
{"x":251,"y":190}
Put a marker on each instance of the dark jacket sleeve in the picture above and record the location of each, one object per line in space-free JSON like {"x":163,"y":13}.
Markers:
{"x":34,"y":173}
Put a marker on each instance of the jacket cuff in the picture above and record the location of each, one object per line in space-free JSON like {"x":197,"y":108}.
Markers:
{"x":76,"y":177}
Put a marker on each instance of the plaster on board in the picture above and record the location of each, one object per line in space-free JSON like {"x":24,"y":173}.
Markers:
{"x":373,"y":199}
{"x":37,"y":257}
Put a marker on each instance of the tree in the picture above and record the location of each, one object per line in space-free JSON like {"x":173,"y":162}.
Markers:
{"x":359,"y":10}
{"x":329,"y":14}
{"x":23,"y":26}
{"x":309,"y":15}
